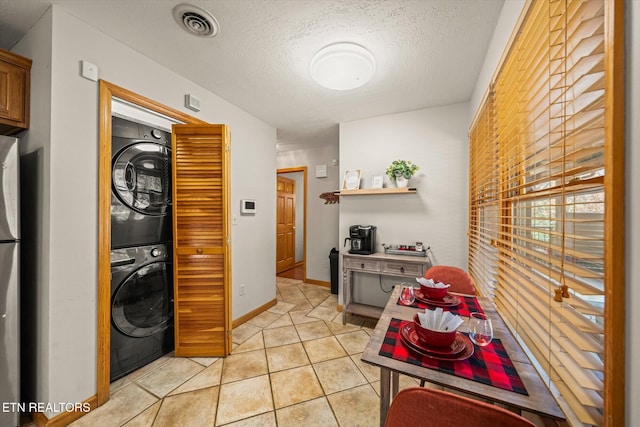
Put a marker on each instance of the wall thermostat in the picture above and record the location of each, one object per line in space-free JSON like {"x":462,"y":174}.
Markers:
{"x":248,"y":207}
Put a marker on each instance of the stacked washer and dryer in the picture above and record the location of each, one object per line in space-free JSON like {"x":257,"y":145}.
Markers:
{"x":141,"y":243}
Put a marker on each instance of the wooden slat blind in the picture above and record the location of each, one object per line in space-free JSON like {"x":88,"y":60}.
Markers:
{"x":483,"y":199}
{"x":201,"y":240}
{"x":537,"y":197}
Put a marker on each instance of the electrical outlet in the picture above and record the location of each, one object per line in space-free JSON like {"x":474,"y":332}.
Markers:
{"x":242,"y":289}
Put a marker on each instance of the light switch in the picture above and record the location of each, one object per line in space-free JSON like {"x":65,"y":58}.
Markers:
{"x":89,"y":71}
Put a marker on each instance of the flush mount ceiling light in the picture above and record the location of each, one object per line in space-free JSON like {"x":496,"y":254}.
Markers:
{"x":343,"y":66}
{"x":196,"y":21}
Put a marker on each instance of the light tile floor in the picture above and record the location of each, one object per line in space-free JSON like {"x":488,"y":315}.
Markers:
{"x":293,"y":365}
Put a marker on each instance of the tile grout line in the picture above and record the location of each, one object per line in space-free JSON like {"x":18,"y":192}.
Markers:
{"x":333,"y":333}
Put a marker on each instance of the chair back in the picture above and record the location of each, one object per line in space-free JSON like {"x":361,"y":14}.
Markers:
{"x":425,"y":407}
{"x":459,"y":279}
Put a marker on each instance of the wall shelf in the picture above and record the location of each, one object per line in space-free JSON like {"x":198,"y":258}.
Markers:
{"x":370,"y":191}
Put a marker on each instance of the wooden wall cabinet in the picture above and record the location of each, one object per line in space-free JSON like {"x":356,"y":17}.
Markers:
{"x":14,"y":92}
{"x":201,"y":240}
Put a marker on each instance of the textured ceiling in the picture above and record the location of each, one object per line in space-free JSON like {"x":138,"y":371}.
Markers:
{"x":428,"y":52}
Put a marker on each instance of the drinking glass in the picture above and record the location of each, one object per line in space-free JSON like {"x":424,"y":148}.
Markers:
{"x":407,"y":295}
{"x":480,"y":329}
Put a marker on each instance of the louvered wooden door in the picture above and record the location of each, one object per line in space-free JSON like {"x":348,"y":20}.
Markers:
{"x":201,"y":240}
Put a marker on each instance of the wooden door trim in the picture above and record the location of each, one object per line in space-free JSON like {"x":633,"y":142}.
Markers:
{"x":614,"y":182}
{"x":107,"y":92}
{"x":302,"y":169}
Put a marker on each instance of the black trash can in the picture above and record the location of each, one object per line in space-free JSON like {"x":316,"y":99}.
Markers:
{"x":333,"y":261}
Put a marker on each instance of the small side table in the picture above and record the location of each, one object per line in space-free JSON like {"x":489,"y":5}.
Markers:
{"x":378,"y":263}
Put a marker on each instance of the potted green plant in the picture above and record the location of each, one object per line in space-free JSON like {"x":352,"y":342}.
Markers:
{"x":401,"y":171}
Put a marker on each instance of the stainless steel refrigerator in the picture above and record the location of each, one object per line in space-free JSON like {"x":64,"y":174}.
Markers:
{"x":9,"y":280}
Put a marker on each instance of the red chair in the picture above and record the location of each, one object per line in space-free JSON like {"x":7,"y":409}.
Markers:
{"x":425,"y":407}
{"x":459,"y":279}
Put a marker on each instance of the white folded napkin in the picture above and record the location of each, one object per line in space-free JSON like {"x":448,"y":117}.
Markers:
{"x":430,"y":283}
{"x":439,"y":320}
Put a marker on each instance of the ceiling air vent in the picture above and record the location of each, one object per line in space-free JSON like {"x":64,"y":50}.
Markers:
{"x":196,"y":21}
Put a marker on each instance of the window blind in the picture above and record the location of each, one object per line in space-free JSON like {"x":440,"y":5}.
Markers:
{"x":483,"y":199}
{"x":537,"y":197}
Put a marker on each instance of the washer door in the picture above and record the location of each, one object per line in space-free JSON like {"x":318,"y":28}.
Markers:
{"x":141,"y":177}
{"x":143,"y":304}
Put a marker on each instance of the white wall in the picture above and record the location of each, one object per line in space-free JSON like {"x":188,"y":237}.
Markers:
{"x":68,"y":358}
{"x":322,"y":219}
{"x":436,"y":140}
{"x":632,"y":223}
{"x":38,"y":45}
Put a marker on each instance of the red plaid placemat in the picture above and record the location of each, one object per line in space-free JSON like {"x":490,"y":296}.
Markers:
{"x":489,"y":365}
{"x":467,"y":306}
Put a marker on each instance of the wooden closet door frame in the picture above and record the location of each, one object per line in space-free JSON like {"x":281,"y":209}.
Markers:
{"x":108,"y":91}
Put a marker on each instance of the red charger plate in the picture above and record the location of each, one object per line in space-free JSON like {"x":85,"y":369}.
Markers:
{"x":461,"y":349}
{"x":448,"y":300}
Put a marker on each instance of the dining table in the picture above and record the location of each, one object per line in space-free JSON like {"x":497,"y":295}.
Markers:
{"x":500,"y":372}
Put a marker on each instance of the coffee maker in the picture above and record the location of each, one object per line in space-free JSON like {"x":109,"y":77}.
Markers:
{"x":362,"y":239}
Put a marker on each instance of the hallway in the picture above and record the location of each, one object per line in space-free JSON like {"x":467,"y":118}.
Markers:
{"x":297,"y":272}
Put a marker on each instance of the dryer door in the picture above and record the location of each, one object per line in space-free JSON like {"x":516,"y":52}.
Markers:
{"x":141,"y":177}
{"x":143,"y":304}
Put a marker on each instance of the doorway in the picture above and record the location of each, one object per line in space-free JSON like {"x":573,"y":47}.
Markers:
{"x":291,"y":222}
{"x":110,"y":93}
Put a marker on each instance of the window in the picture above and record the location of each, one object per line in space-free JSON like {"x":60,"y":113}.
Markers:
{"x":544,"y":241}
